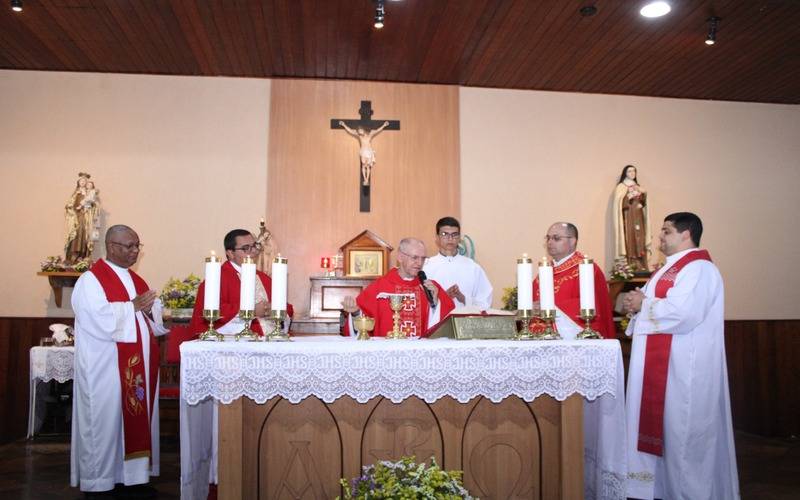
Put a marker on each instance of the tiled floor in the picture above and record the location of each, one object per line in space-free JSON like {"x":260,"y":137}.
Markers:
{"x":39,"y":469}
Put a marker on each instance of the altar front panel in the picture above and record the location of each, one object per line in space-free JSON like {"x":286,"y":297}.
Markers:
{"x":510,"y":449}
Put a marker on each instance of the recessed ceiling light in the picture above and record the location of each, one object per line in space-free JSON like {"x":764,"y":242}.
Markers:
{"x":655,"y":9}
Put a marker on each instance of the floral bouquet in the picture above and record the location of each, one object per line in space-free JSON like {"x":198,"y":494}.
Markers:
{"x":57,"y":264}
{"x":180,"y":294}
{"x":622,"y":270}
{"x":405,"y":479}
{"x":510,"y":298}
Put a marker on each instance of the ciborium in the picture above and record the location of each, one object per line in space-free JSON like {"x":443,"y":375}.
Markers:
{"x":587,"y":315}
{"x":211,"y":334}
{"x":364,"y":325}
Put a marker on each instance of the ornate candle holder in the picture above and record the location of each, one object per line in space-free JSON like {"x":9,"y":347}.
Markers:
{"x":211,"y":334}
{"x":246,"y":333}
{"x":524,"y":317}
{"x":277,"y":334}
{"x":364,"y":325}
{"x":587,"y":315}
{"x":549,"y":333}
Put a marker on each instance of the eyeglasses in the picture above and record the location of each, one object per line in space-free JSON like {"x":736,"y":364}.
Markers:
{"x":415,"y":258}
{"x":556,"y":238}
{"x":130,"y":247}
{"x":256,"y":247}
{"x":449,"y":236}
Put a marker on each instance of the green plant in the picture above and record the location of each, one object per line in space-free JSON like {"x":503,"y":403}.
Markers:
{"x":510,"y":298}
{"x":405,"y":479}
{"x":180,"y":294}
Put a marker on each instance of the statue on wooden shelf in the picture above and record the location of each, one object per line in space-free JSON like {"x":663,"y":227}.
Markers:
{"x":82,"y":214}
{"x":366,"y":153}
{"x":268,"y":248}
{"x":631,"y":221}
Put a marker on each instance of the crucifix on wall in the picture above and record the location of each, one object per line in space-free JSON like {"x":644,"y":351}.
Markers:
{"x":364,"y":129}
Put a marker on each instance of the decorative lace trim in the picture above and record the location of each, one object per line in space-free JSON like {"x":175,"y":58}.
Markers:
{"x":52,"y":363}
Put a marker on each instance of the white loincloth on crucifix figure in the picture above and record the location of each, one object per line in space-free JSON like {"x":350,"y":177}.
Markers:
{"x":366,"y":153}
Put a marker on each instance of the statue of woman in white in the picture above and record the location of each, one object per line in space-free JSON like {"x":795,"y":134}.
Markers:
{"x":631,"y":221}
{"x":82,"y":214}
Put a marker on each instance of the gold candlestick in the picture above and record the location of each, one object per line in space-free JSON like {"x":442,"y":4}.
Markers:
{"x":211,"y":334}
{"x":364,"y":325}
{"x":524,"y":317}
{"x":549,"y":333}
{"x":277,"y":334}
{"x":246,"y":333}
{"x":587,"y":315}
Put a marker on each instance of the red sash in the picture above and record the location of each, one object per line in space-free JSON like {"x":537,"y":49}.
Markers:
{"x":135,"y":415}
{"x":656,"y":367}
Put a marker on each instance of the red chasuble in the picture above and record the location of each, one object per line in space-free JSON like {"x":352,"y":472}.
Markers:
{"x":413,"y":316}
{"x":567,"y":290}
{"x":229,"y":297}
{"x":656,"y":367}
{"x":135,"y":414}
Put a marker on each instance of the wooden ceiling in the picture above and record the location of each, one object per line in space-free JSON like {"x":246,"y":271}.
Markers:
{"x":520,"y":44}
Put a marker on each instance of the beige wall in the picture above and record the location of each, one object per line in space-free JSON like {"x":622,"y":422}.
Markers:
{"x":181,"y":159}
{"x":530,"y":158}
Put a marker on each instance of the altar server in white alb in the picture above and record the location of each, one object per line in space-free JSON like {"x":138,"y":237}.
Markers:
{"x":680,"y":435}
{"x":115,"y":431}
{"x":463,"y":279}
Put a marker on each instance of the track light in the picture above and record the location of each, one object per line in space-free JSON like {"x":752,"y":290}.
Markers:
{"x":16,"y":5}
{"x":713,"y":23}
{"x":380,"y":13}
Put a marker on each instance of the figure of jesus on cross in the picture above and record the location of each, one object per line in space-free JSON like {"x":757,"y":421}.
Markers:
{"x":366,"y":152}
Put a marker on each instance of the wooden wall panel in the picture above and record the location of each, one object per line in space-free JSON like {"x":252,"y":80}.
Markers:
{"x":314,"y":171}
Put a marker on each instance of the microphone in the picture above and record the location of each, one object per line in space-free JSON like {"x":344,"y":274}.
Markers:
{"x":422,"y":278}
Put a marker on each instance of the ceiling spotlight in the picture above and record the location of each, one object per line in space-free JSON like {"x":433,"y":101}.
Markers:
{"x":713,"y":23}
{"x":655,"y":9}
{"x":380,"y":13}
{"x":16,"y":5}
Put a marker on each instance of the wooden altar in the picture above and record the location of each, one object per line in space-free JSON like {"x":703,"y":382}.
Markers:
{"x":510,"y":449}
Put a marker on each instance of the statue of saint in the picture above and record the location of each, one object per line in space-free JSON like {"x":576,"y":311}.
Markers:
{"x":631,"y":221}
{"x":82,"y":214}
{"x":366,"y":153}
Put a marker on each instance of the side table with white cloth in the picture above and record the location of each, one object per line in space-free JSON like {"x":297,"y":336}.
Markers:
{"x":521,"y":419}
{"x":47,"y":363}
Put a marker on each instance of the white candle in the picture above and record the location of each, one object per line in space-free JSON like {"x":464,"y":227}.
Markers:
{"x":586,"y":275}
{"x":247,"y":292}
{"x":280,"y":273}
{"x":546,"y":297}
{"x":524,"y":283}
{"x":211,"y":297}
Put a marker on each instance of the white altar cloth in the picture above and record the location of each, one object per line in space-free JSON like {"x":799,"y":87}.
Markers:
{"x":332,"y":367}
{"x":46,"y":364}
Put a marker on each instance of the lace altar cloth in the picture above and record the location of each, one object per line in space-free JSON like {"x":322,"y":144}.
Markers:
{"x":329,"y":368}
{"x":47,"y":363}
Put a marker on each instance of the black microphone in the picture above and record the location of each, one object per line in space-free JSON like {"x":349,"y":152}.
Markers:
{"x":422,"y":278}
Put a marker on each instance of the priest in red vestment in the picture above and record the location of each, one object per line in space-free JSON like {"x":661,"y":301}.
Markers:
{"x":419,"y":312}
{"x":239,"y":243}
{"x":562,"y":241}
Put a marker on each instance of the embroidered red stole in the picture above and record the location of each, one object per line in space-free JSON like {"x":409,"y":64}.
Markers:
{"x":656,"y":367}
{"x":135,"y":415}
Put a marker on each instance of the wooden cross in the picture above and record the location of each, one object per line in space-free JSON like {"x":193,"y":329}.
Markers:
{"x":370,"y":127}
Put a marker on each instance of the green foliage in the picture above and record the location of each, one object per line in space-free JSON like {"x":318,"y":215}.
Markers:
{"x":405,"y":480}
{"x":510,"y":298}
{"x":57,"y":264}
{"x":180,"y":294}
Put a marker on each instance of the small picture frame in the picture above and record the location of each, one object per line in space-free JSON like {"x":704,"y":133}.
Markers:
{"x":365,"y":263}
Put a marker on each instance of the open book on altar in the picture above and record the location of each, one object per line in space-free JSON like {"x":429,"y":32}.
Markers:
{"x":471,"y":323}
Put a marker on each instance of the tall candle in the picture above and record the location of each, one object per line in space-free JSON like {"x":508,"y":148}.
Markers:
{"x":546,"y":297}
{"x":280,"y":274}
{"x":524,"y":283}
{"x":586,"y":276}
{"x":247,"y":292}
{"x":212,"y":272}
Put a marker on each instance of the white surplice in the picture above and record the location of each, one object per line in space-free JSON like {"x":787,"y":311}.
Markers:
{"x":464,"y":272}
{"x":98,"y":450}
{"x":699,"y":460}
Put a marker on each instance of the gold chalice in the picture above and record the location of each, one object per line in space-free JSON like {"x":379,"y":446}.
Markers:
{"x":364,"y":325}
{"x":396,"y":301}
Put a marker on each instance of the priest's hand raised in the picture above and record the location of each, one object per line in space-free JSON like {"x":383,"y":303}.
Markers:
{"x":262,"y":308}
{"x":349,"y":305}
{"x":144,"y":301}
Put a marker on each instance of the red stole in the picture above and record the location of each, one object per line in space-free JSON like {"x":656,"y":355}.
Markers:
{"x":135,"y":415}
{"x":656,"y":367}
{"x":413,"y":316}
{"x":566,"y":289}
